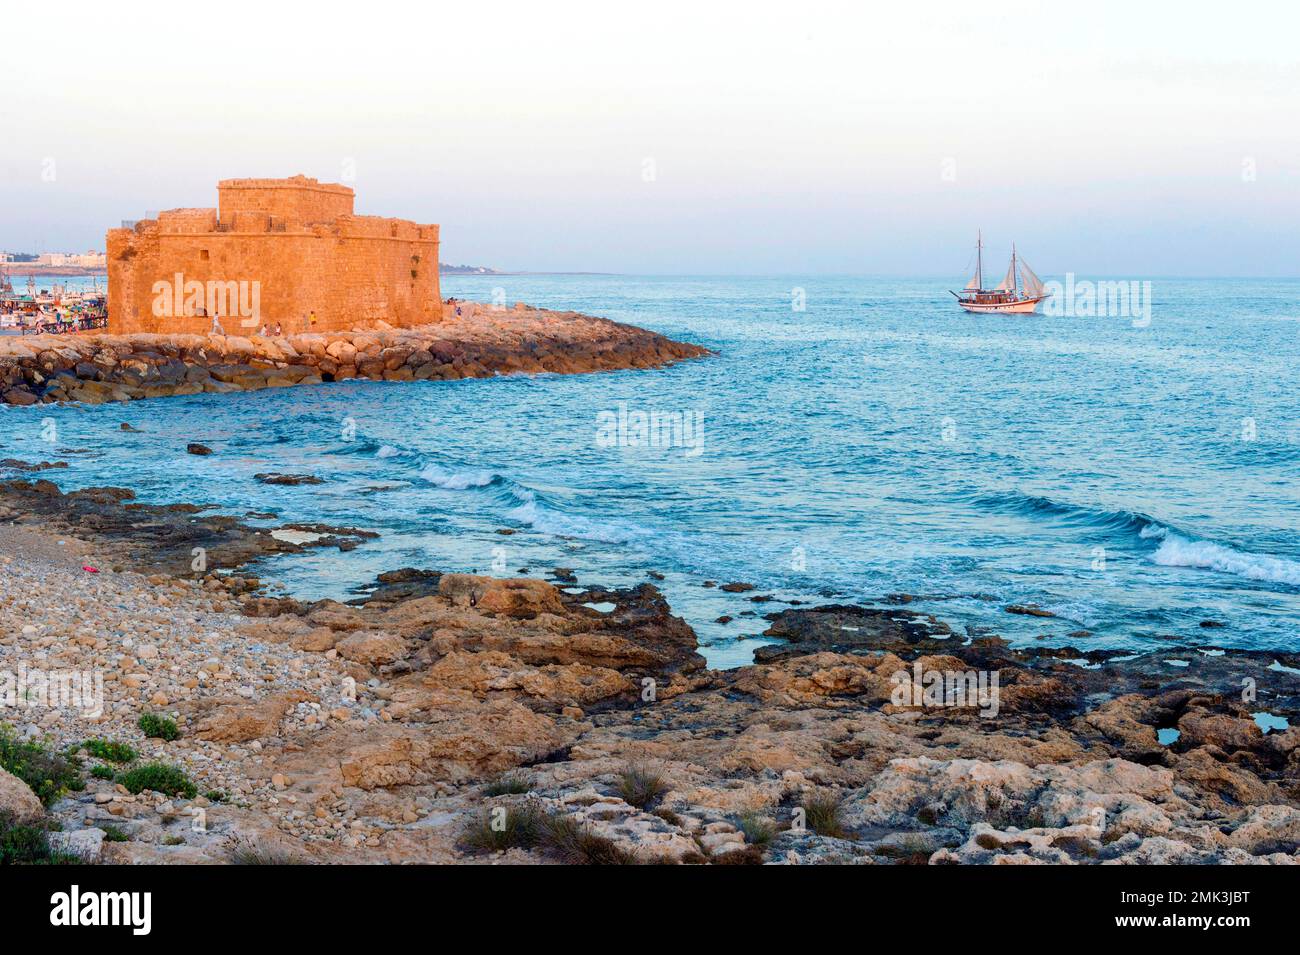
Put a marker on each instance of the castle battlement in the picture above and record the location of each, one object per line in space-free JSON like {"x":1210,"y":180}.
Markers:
{"x":298,"y":239}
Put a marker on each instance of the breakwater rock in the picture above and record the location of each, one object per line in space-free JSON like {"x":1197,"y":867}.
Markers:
{"x":473,"y":341}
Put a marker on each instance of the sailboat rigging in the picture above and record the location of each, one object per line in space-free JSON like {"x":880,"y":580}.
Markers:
{"x":1020,"y":290}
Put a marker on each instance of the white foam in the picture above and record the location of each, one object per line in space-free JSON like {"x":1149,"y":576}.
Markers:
{"x":566,"y":525}
{"x":295,"y":537}
{"x":456,"y":480}
{"x":1176,"y":551}
{"x":388,"y":451}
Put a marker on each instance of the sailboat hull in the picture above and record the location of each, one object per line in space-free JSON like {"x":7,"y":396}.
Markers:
{"x":1022,"y":306}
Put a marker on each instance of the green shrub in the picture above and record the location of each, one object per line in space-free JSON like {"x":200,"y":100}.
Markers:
{"x":100,"y":771}
{"x":110,"y":750}
{"x":215,"y":795}
{"x":49,"y":775}
{"x":29,"y":845}
{"x":160,"y":778}
{"x":159,"y":727}
{"x":114,"y":834}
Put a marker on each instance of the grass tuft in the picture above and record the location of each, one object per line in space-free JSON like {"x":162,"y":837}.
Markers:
{"x":508,"y":784}
{"x":505,"y":827}
{"x":528,"y":826}
{"x":759,"y":830}
{"x":822,"y":813}
{"x":576,"y":844}
{"x":245,"y":852}
{"x":668,"y":816}
{"x":640,"y":786}
{"x":749,"y":855}
{"x":912,"y":849}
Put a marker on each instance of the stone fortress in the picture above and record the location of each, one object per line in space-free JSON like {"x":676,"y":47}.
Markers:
{"x":287,"y":252}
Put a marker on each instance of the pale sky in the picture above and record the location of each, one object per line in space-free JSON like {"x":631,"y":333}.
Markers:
{"x":1108,"y":138}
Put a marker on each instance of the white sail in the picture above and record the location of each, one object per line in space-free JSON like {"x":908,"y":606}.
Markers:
{"x":1008,"y":283}
{"x":974,"y":283}
{"x":1032,"y":283}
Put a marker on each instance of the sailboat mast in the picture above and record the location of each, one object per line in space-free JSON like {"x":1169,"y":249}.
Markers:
{"x":1015,"y":279}
{"x":979,"y":259}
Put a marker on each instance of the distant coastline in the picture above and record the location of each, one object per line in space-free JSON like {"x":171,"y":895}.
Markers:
{"x":445,"y":269}
{"x":32,"y":268}
{"x":17,"y":269}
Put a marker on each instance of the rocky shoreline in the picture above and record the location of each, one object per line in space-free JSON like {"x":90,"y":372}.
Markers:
{"x":398,"y":728}
{"x":472,"y":341}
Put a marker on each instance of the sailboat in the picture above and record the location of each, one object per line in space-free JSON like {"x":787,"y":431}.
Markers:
{"x":1020,"y":290}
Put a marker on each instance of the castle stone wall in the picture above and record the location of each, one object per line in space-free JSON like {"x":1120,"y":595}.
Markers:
{"x":273,"y":252}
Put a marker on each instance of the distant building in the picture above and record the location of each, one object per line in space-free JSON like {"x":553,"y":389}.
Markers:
{"x":275,"y":251}
{"x":89,"y":260}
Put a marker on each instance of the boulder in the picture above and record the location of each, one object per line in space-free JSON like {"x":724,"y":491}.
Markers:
{"x":18,"y":396}
{"x":515,"y":597}
{"x":85,"y":844}
{"x":372,"y":648}
{"x":238,"y":721}
{"x":17,"y":799}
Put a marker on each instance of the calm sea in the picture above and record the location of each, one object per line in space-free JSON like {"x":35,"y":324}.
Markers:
{"x":1134,"y":481}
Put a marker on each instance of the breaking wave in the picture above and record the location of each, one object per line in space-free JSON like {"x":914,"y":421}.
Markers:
{"x":1176,"y":548}
{"x":540,"y":516}
{"x":1178,"y":551}
{"x":456,"y":480}
{"x":526,"y":506}
{"x":1068,"y":515}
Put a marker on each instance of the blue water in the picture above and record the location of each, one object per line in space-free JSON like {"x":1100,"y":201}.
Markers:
{"x":879,"y":441}
{"x":45,"y":283}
